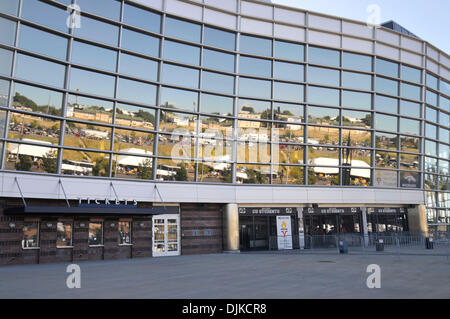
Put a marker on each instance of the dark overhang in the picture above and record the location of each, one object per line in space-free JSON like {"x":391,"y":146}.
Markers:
{"x":397,"y":27}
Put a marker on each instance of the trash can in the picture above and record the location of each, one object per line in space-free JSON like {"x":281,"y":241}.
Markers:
{"x":343,"y":247}
{"x":429,"y":243}
{"x":379,"y":245}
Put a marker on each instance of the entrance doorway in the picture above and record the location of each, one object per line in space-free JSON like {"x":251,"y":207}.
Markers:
{"x":166,"y":235}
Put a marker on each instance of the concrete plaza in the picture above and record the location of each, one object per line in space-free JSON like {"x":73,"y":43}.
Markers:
{"x":289,"y":275}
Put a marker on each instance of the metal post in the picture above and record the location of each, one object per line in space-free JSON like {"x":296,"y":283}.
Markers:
{"x":231,"y":229}
{"x":21,"y":194}
{"x":62,"y":187}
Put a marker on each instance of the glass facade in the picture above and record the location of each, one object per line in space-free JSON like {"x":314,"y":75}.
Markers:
{"x":120,"y":98}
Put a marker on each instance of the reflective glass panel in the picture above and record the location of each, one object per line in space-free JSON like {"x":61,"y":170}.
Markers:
{"x":254,"y":45}
{"x":386,"y":141}
{"x":98,"y":31}
{"x":409,"y":108}
{"x":41,"y":42}
{"x":386,"y":159}
{"x":217,"y":82}
{"x":6,"y":57}
{"x":324,"y":56}
{"x":183,"y":53}
{"x":94,"y":56}
{"x":35,"y":129}
{"x":324,"y":96}
{"x":45,"y":14}
{"x":90,"y":82}
{"x":288,"y":71}
{"x":85,"y":163}
{"x":182,"y":30}
{"x":106,"y":8}
{"x":136,"y":91}
{"x":444,"y":135}
{"x":255,"y":88}
{"x":8,"y":34}
{"x":141,"y":18}
{"x":40,"y":71}
{"x":178,"y":123}
{"x":254,"y":110}
{"x":411,"y":74}
{"x":292,"y":113}
{"x":356,"y":119}
{"x":138,"y":67}
{"x":387,"y":68}
{"x":444,"y":119}
{"x":218,"y":60}
{"x":219,"y":38}
{"x":256,"y":67}
{"x":87,"y":109}
{"x":4,"y":92}
{"x":288,"y":92}
{"x":357,"y":81}
{"x":323,"y":115}
{"x":289,"y":51}
{"x":139,"y":42}
{"x":87,"y":136}
{"x":384,"y":178}
{"x":181,"y":76}
{"x":431,"y":114}
{"x":411,"y":91}
{"x":27,"y":157}
{"x":357,"y":62}
{"x":431,"y":98}
{"x":216,"y":104}
{"x":9,"y":7}
{"x":430,"y":131}
{"x":432,"y":81}
{"x":357,"y":100}
{"x":385,"y":122}
{"x":387,"y":86}
{"x":289,"y":175}
{"x":169,"y":170}
{"x":31,"y":98}
{"x":323,"y":76}
{"x":409,"y":144}
{"x":179,"y":99}
{"x":135,"y":116}
{"x":430,"y":148}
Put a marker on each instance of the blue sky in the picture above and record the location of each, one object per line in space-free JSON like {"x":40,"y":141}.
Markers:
{"x":429,"y":20}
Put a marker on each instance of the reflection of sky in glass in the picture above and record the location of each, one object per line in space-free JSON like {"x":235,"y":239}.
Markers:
{"x":430,"y":131}
{"x":256,"y":67}
{"x":105,"y":8}
{"x":288,"y":92}
{"x":443,"y":151}
{"x":181,"y":99}
{"x":357,"y":62}
{"x":216,"y":104}
{"x":140,"y":42}
{"x":289,"y":51}
{"x":408,"y":126}
{"x":182,"y":30}
{"x":42,"y":42}
{"x":324,"y":56}
{"x":9,"y":7}
{"x":90,"y":82}
{"x":137,"y":91}
{"x":387,"y":68}
{"x":319,"y":112}
{"x":431,"y":114}
{"x":218,"y":60}
{"x":444,"y":135}
{"x":431,"y":98}
{"x":47,"y":15}
{"x":410,"y":108}
{"x":432,"y":81}
{"x":138,"y":67}
{"x":288,"y":71}
{"x":98,"y":31}
{"x":387,"y":86}
{"x":5,"y":65}
{"x":219,"y":39}
{"x":181,"y":52}
{"x":323,"y":76}
{"x":430,"y":148}
{"x":258,"y":106}
{"x":40,"y":71}
{"x":8,"y":34}
{"x":73,"y":99}
{"x":357,"y":81}
{"x":141,"y":18}
{"x":254,"y":45}
{"x":217,"y":82}
{"x":317,"y":95}
{"x":411,"y":91}
{"x":39,"y":96}
{"x":443,"y":119}
{"x":385,"y":122}
{"x":444,"y":103}
{"x":94,"y":56}
{"x":255,"y":88}
{"x":4,"y":92}
{"x":181,"y":76}
{"x":411,"y":74}
{"x":386,"y":104}
{"x":357,"y":100}
{"x":296,"y":110}
{"x":354,"y":115}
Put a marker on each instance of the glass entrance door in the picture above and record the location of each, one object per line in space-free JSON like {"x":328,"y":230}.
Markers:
{"x":166,"y":235}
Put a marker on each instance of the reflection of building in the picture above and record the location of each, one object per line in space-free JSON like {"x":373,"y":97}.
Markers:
{"x":116,"y":143}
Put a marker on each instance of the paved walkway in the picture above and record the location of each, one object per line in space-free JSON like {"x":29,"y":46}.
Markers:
{"x":253,"y":275}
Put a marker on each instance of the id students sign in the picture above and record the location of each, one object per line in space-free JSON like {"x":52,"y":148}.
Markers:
{"x":284,"y":232}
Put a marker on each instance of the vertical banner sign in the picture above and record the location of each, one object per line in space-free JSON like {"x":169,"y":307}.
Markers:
{"x":284,"y":232}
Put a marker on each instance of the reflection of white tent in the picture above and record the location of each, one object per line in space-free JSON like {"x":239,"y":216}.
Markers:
{"x":323,"y":161}
{"x":217,"y":166}
{"x":134,"y":161}
{"x":75,"y":169}
{"x":95,"y":133}
{"x":241,"y":175}
{"x":31,"y":150}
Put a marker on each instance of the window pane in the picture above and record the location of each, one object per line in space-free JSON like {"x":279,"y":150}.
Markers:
{"x":181,"y":52}
{"x":87,"y":109}
{"x":444,"y":119}
{"x":432,"y":81}
{"x":40,"y":71}
{"x":181,"y":76}
{"x":178,"y":123}
{"x":219,"y":38}
{"x":288,"y":92}
{"x":134,"y":116}
{"x":90,"y":82}
{"x":357,"y":62}
{"x":323,"y":76}
{"x":124,"y":233}
{"x":408,"y":126}
{"x":95,"y":233}
{"x":8,"y":34}
{"x":411,"y":74}
{"x":258,"y":46}
{"x":430,"y":131}
{"x":292,"y":113}
{"x":411,"y":91}
{"x":357,"y":100}
{"x":318,"y":95}
{"x":387,"y":68}
{"x":35,"y":99}
{"x":386,"y":141}
{"x":133,"y":142}
{"x":218,"y":60}
{"x":87,"y":136}
{"x":139,"y":42}
{"x":215,"y":104}
{"x":444,"y":103}
{"x":409,"y":144}
{"x":324,"y":56}
{"x":94,"y":56}
{"x":431,"y":98}
{"x":386,"y":104}
{"x":182,"y":30}
{"x":30,"y":235}
{"x":357,"y":81}
{"x":29,"y":158}
{"x":179,"y":99}
{"x":138,"y":67}
{"x":9,"y":7}
{"x":356,"y":119}
{"x":85,"y":163}
{"x":34,"y":129}
{"x":64,"y":234}
{"x":409,"y":108}
{"x":98,"y":31}
{"x":137,"y":92}
{"x":41,"y":42}
{"x":255,"y":88}
{"x":431,"y":114}
{"x":357,"y":138}
{"x":217,"y":82}
{"x":254,"y":110}
{"x":385,"y":122}
{"x":45,"y":14}
{"x":106,"y":8}
{"x":288,"y":71}
{"x":444,"y":135}
{"x":4,"y":92}
{"x":385,"y":178}
{"x":322,"y":116}
{"x":289,"y":51}
{"x":430,"y":148}
{"x":6,"y":64}
{"x":387,"y":86}
{"x":141,"y":18}
{"x":256,"y":67}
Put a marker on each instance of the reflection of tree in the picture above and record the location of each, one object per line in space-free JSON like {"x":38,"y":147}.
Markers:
{"x":25,"y":163}
{"x":249,"y":109}
{"x":101,"y":167}
{"x":49,"y":162}
{"x":254,"y":177}
{"x":21,"y":100}
{"x":227,"y":175}
{"x":181,"y":173}
{"x":144,"y":170}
